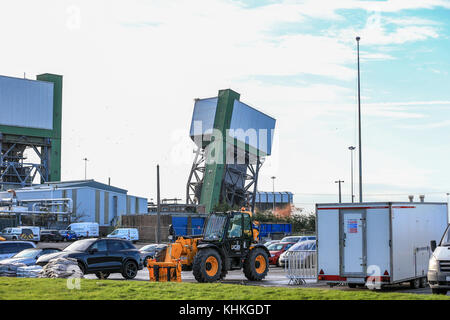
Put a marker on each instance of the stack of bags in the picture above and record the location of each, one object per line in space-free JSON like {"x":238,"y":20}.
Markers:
{"x":29,"y":272}
{"x":10,"y":269}
{"x":61,"y":268}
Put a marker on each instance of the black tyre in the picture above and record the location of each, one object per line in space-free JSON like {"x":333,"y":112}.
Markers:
{"x":145,"y":260}
{"x":423,"y":282}
{"x":256,"y":265}
{"x":102,"y":275}
{"x":129,"y":270}
{"x":415,"y":284}
{"x":82,"y":267}
{"x":207,"y":266}
{"x":438,"y":291}
{"x":351,"y":285}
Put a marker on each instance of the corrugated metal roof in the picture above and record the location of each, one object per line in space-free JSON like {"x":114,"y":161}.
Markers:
{"x":78,"y":184}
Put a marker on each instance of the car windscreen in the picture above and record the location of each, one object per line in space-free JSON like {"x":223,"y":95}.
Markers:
{"x":215,"y":227}
{"x":275,"y":247}
{"x":27,"y":253}
{"x":305,"y":245}
{"x":115,"y":232}
{"x":80,"y":245}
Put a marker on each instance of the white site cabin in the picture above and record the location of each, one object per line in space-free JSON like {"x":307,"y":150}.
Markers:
{"x":388,"y":242}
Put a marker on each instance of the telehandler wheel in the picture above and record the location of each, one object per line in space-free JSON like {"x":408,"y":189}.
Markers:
{"x":256,"y":265}
{"x":207,"y":266}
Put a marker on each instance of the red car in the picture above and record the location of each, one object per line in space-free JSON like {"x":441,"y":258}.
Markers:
{"x":276,"y":249}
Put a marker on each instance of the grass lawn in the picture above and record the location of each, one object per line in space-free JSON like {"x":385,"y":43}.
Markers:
{"x":56,"y":289}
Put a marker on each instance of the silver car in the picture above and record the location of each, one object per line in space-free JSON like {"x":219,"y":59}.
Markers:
{"x":11,"y":248}
{"x":29,"y":256}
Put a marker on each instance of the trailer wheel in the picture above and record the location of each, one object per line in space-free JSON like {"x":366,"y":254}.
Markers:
{"x":415,"y":284}
{"x":207,"y":266}
{"x":423,"y":282}
{"x":351,"y":285}
{"x":256,"y":265}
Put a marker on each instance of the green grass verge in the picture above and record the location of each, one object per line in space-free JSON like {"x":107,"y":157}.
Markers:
{"x":56,"y":289}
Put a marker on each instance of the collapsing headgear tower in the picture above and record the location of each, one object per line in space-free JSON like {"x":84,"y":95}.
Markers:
{"x":232,"y":142}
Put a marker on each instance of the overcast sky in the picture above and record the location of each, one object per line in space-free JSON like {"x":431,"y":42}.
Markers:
{"x":133,"y":68}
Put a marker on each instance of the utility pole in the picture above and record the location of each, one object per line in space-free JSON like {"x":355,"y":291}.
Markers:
{"x":340,"y":195}
{"x":273,"y":193}
{"x":85,"y":168}
{"x":351,"y":148}
{"x":158,"y":232}
{"x":359,"y":127}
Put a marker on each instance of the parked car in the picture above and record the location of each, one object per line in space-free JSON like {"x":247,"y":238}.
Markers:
{"x":131,"y":234}
{"x":101,"y":256}
{"x":85,"y":229}
{"x":51,"y":235}
{"x":268,"y":243}
{"x":297,"y":238}
{"x":276,"y":249}
{"x":439,"y":265}
{"x":26,"y":233}
{"x":149,"y":251}
{"x":68,"y":235}
{"x":29,"y":256}
{"x":10,"y":248}
{"x":308,"y":245}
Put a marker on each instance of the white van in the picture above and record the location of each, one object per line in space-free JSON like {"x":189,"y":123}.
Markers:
{"x":131,"y":234}
{"x":439,"y":265}
{"x":28,"y":233}
{"x":85,"y":229}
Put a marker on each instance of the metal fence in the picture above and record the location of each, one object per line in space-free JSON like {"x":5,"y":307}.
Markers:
{"x":301,"y":265}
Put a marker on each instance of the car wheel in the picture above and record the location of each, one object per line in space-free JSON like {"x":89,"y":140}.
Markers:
{"x":102,"y":275}
{"x":82,"y":267}
{"x":129,"y":270}
{"x":145,"y":260}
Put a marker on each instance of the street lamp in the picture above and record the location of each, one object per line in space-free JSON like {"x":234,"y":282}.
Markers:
{"x":359,"y":127}
{"x":340,"y":195}
{"x":351,"y":148}
{"x":273,"y":192}
{"x":85,"y":168}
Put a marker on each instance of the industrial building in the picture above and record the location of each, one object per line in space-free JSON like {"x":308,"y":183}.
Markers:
{"x":92,"y":201}
{"x":268,"y":200}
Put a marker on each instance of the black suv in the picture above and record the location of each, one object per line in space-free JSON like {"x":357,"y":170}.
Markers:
{"x":51,"y":235}
{"x":102,"y":257}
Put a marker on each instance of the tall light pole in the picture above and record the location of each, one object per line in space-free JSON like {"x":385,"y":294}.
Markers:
{"x":85,"y":168}
{"x":351,"y":148}
{"x":340,"y":194}
{"x":158,"y":208}
{"x":359,"y":126}
{"x":273,"y":192}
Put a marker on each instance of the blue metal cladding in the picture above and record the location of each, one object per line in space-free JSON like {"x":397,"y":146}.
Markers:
{"x":252,"y":127}
{"x":26,"y":103}
{"x":203,"y":117}
{"x":180,"y":225}
{"x":266,"y":229}
{"x":197,"y":226}
{"x":248,"y":125}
